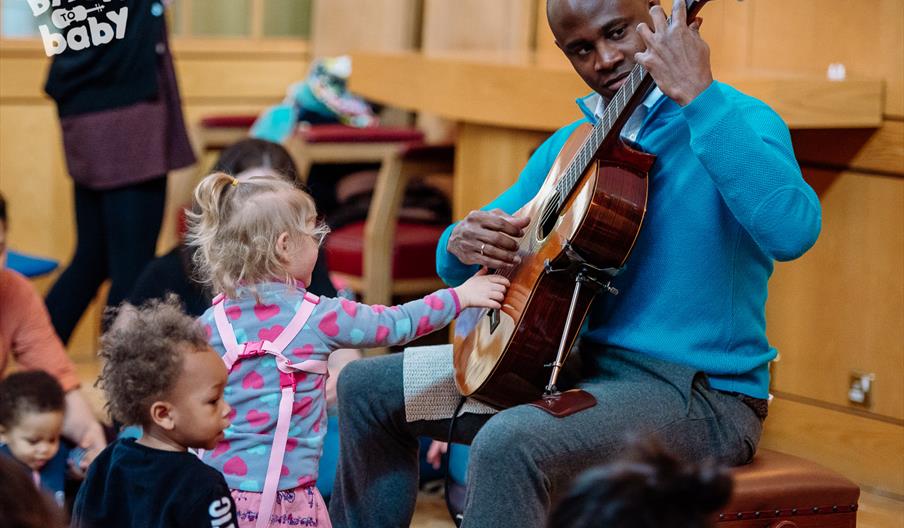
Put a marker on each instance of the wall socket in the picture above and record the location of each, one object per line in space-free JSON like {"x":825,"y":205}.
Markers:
{"x":860,"y":388}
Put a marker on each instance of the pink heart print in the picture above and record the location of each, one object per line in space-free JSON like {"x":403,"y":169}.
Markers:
{"x":424,"y":326}
{"x":351,"y":308}
{"x":269,"y":334}
{"x":208,"y":331}
{"x":303,"y":407}
{"x":291,"y":444}
{"x":257,"y":418}
{"x":235,"y":466}
{"x":378,"y":308}
{"x":234,"y":312}
{"x":328,"y":324}
{"x":265,"y":311}
{"x":382,"y":333}
{"x":304,"y":353}
{"x":253,"y":380}
{"x":284,"y":471}
{"x":221,"y":448}
{"x":434,"y":302}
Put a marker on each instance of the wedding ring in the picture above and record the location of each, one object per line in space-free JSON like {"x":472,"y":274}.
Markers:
{"x":481,"y":248}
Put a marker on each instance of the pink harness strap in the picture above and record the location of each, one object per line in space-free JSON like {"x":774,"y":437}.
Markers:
{"x":288,"y":377}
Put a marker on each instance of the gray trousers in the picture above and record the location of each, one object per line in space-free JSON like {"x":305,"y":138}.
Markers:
{"x":521,"y":457}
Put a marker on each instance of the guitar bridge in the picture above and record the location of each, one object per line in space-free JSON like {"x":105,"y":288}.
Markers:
{"x":494,"y":319}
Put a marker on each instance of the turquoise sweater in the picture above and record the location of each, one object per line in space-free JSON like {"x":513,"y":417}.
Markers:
{"x":726,"y":199}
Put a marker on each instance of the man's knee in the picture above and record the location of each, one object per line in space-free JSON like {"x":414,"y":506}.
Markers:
{"x":504,"y":444}
{"x":365,"y":379}
{"x":351,"y":379}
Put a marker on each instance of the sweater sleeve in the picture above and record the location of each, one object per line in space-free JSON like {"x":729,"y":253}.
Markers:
{"x":746,"y":150}
{"x":35,"y":345}
{"x":346,"y":324}
{"x":448,"y":267}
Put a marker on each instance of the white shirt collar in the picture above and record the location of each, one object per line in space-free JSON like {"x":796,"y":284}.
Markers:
{"x":598,"y":104}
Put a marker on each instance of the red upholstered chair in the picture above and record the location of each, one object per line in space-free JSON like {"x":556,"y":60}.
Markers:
{"x":379,"y":258}
{"x":218,"y":132}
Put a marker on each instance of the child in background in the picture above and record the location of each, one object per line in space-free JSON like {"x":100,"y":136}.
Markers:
{"x":257,"y":240}
{"x":31,"y":421}
{"x":159,"y":373}
{"x":648,"y":489}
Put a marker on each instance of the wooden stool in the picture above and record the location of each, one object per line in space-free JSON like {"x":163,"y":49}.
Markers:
{"x":783,"y":491}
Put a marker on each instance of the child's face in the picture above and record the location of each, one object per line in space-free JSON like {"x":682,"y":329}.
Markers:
{"x":199,"y":412}
{"x":301,"y":256}
{"x":35,"y":438}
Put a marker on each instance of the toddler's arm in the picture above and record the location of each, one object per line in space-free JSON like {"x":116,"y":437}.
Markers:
{"x":343,"y":323}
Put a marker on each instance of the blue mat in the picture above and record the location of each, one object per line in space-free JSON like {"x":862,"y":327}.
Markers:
{"x":28,"y":265}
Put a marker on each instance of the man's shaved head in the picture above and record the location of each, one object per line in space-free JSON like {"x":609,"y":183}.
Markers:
{"x":599,"y":37}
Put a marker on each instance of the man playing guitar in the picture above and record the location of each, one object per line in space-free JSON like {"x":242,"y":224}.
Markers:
{"x":681,"y":352}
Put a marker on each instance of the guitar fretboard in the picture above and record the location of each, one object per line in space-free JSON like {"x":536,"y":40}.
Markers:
{"x":614,"y":116}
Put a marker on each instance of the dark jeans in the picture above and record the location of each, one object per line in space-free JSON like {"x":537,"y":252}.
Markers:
{"x":117,"y":235}
{"x":521,"y":457}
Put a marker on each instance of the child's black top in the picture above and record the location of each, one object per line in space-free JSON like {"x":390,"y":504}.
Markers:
{"x":129,"y":484}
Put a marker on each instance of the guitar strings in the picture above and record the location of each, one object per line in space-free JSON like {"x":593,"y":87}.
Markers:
{"x":599,"y":132}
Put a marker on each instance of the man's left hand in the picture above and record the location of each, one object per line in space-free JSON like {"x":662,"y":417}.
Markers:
{"x":676,"y":56}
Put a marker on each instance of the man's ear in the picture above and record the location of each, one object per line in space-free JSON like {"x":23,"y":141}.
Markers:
{"x":3,"y":438}
{"x":162,"y":415}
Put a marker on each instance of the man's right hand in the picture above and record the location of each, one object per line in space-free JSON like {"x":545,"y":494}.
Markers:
{"x":487,"y":238}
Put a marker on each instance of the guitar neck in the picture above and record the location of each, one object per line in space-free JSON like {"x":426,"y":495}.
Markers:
{"x":609,"y":125}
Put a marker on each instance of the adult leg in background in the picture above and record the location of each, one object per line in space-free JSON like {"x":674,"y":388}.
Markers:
{"x":116,"y":236}
{"x":79,"y":282}
{"x":134,"y":215}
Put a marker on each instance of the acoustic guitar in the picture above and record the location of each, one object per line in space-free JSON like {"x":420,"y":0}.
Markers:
{"x":585,"y":220}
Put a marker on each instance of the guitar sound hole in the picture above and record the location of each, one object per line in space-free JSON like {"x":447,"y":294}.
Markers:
{"x":549,"y":218}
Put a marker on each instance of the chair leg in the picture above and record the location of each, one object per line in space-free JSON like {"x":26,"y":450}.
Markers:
{"x":379,"y":233}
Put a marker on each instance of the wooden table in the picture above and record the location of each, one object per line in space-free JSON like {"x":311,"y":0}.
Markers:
{"x":506,"y":104}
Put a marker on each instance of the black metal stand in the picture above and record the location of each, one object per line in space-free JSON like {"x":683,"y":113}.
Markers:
{"x":586,"y":276}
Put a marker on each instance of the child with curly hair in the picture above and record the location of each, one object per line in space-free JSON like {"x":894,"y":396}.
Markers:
{"x":649,"y":488}
{"x":257,"y":240}
{"x":159,"y":373}
{"x":31,"y":421}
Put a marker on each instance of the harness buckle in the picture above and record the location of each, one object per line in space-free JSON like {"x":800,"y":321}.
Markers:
{"x":252,"y":349}
{"x":288,"y":379}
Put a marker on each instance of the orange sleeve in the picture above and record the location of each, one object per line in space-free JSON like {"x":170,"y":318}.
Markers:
{"x":34,"y":343}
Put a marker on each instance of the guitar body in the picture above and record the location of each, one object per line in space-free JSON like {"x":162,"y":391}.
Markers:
{"x":501,"y":357}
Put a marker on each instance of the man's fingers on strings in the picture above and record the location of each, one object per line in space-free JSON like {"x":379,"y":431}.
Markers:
{"x":660,"y":23}
{"x":679,"y":13}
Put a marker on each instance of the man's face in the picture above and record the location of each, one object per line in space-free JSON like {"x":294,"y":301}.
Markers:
{"x":599,"y":37}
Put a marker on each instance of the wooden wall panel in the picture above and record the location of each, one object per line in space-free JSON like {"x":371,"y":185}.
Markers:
{"x":808,"y":35}
{"x":343,"y":26}
{"x":802,"y":36}
{"x":840,"y":307}
{"x":866,"y":150}
{"x":866,"y":451}
{"x":478,"y":25}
